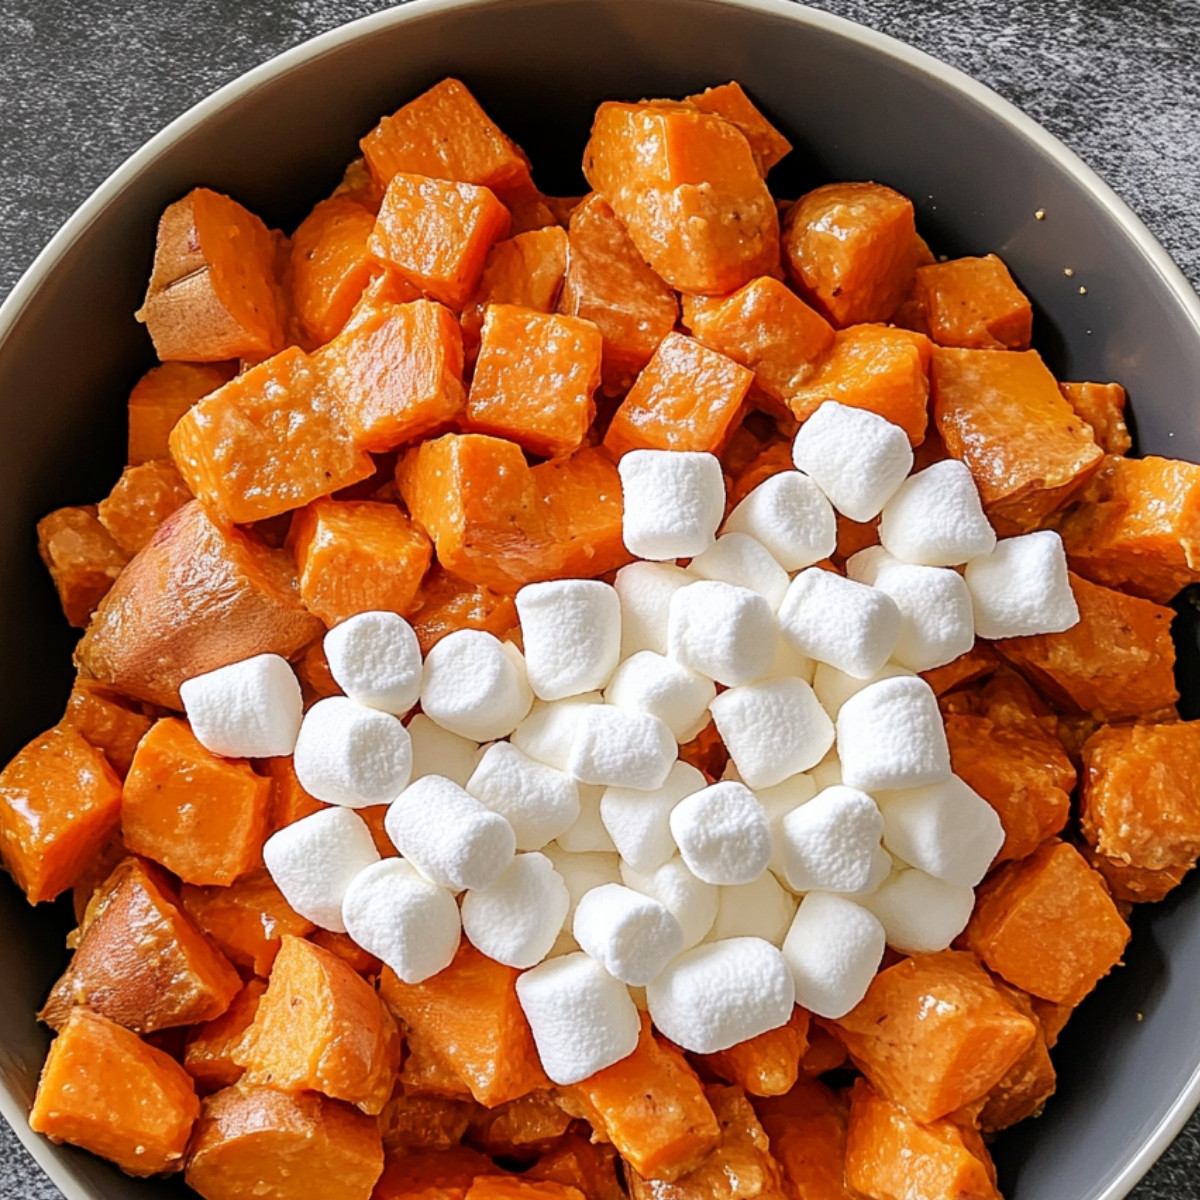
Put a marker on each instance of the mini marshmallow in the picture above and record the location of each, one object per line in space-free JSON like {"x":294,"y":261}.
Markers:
{"x":571,"y":629}
{"x":475,"y":685}
{"x":615,"y":748}
{"x":777,"y":802}
{"x":788,"y":661}
{"x":632,"y":935}
{"x":376,"y":660}
{"x":350,"y":754}
{"x":677,"y":695}
{"x":314,"y":860}
{"x":920,"y":914}
{"x":548,"y":733}
{"x":760,"y":909}
{"x":450,"y":837}
{"x":936,"y":518}
{"x":722,"y":993}
{"x":739,"y":558}
{"x":890,"y":736}
{"x":722,"y":631}
{"x":645,"y":590}
{"x":833,"y":687}
{"x":772,"y":729}
{"x":587,"y":833}
{"x":946,"y":829}
{"x":857,"y":458}
{"x":639,"y":823}
{"x":882,"y":865}
{"x":393,"y":912}
{"x":833,"y":619}
{"x":674,"y":500}
{"x":692,"y":901}
{"x":437,"y":751}
{"x":722,"y":834}
{"x":538,"y":801}
{"x":581,"y":873}
{"x":248,"y":709}
{"x":829,"y":843}
{"x":834,"y":948}
{"x":582,"y":1018}
{"x":791,"y":517}
{"x":1022,"y":587}
{"x":516,"y":918}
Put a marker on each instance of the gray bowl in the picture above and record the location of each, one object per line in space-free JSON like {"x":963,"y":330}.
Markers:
{"x":858,"y":105}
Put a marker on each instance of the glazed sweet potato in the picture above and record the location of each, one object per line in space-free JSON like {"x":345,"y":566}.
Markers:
{"x":807,"y":1131}
{"x":977,"y":663}
{"x":289,"y":801}
{"x":973,"y":303}
{"x":825,"y":1053}
{"x":589,"y":1166}
{"x":531,"y":1124}
{"x":431,"y":1175}
{"x":208,"y":1055}
{"x":425,"y":1074}
{"x":412,"y":1122}
{"x":161,"y":397}
{"x":142,"y":499}
{"x":106,"y":721}
{"x":507,"y":1187}
{"x":342,"y":946}
{"x":106,"y":1090}
{"x":766,"y":1065}
{"x":730,"y":101}
{"x":445,"y":603}
{"x":1030,"y":1081}
{"x":83,"y":560}
{"x":1102,"y":406}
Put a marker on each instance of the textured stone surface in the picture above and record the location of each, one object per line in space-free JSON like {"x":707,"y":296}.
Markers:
{"x":83,"y":84}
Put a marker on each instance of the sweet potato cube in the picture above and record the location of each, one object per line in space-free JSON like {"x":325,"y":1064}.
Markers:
{"x":142,"y":499}
{"x":160,"y":398}
{"x":258,"y":1141}
{"x":686,"y":398}
{"x":825,"y":1053}
{"x":729,"y":101}
{"x":425,"y":1074}
{"x":934,"y":1033}
{"x":208,"y":1056}
{"x":107,"y":1091}
{"x":411,"y":1122}
{"x":852,"y":249}
{"x":1102,"y":406}
{"x":686,"y":185}
{"x":1047,"y":925}
{"x":508,"y":1187}
{"x":358,"y":556}
{"x":431,"y":1174}
{"x":1002,"y":414}
{"x":977,"y":663}
{"x":289,"y":802}
{"x":1030,"y":1081}
{"x":609,"y":283}
{"x":342,"y":946}
{"x":82,"y":558}
{"x":535,"y":378}
{"x":771,"y":460}
{"x":316,"y":681}
{"x":766,"y":1065}
{"x":973,"y":303}
{"x":583,"y":1164}
{"x":269,"y":441}
{"x":469,"y":1017}
{"x":1116,"y":663}
{"x":445,"y":603}
{"x":437,"y":234}
{"x":99,"y":867}
{"x":142,"y":961}
{"x":807,"y":1131}
{"x":531,"y":1124}
{"x":60,"y":801}
{"x":203,"y":817}
{"x":106,"y":721}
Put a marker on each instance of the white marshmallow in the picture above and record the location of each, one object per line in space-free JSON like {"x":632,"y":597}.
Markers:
{"x":376,"y":660}
{"x":829,"y":843}
{"x":722,"y":834}
{"x":722,"y":993}
{"x":571,"y":629}
{"x":475,"y":685}
{"x":692,"y":901}
{"x":639,"y":823}
{"x":827,"y":772}
{"x":587,"y":833}
{"x":772,"y":729}
{"x":777,"y":802}
{"x":582,"y":1018}
{"x":760,"y":909}
{"x":393,"y":912}
{"x":1022,"y":587}
{"x":833,"y":687}
{"x":437,"y":751}
{"x":538,"y":801}
{"x":448,"y":835}
{"x":936,"y":518}
{"x":791,"y":517}
{"x":581,"y":873}
{"x":632,"y":935}
{"x":674,"y":500}
{"x":739,"y":558}
{"x":616,"y":748}
{"x":890,"y":736}
{"x":920,"y":914}
{"x":677,"y":695}
{"x":314,"y":860}
{"x":350,"y":754}
{"x":722,"y":631}
{"x":946,"y":829}
{"x":547,"y":734}
{"x":833,"y":619}
{"x":516,"y":918}
{"x":788,"y":661}
{"x":248,"y":709}
{"x":645,"y":590}
{"x":857,"y":458}
{"x":834,"y":948}
{"x":882,"y":865}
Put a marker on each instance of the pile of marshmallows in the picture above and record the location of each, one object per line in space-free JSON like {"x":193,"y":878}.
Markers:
{"x":581,"y":850}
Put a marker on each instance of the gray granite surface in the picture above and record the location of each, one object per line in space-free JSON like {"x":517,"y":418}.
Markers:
{"x":84,"y":83}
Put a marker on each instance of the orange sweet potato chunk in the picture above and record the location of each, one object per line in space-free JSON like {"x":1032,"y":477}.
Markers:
{"x":686,"y":398}
{"x":766,"y":1065}
{"x":1047,"y":925}
{"x":106,"y":721}
{"x":771,"y":460}
{"x":425,"y":1074}
{"x":431,"y":1175}
{"x":687,"y":188}
{"x":731,"y":102}
{"x":436,"y":234}
{"x":1135,"y":885}
{"x":825,"y":1053}
{"x":410,"y":1122}
{"x":807,"y":1131}
{"x":1102,"y":406}
{"x":1030,"y":1081}
{"x":142,"y":499}
{"x":583,"y":1164}
{"x":852,"y":249}
{"x":535,"y":378}
{"x":352,"y":954}
{"x":60,"y":802}
{"x":508,"y":1187}
{"x":531,"y":1124}
{"x":1002,"y":414}
{"x":107,"y":1091}
{"x":977,"y":663}
{"x":82,"y":558}
{"x":974,"y":303}
{"x":445,"y":603}
{"x":201,"y":816}
{"x":257,"y":1141}
{"x":316,"y":682}
{"x":161,"y":397}
{"x":208,"y":1055}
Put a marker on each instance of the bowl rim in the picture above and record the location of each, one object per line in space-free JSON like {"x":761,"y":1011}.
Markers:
{"x":111,"y":188}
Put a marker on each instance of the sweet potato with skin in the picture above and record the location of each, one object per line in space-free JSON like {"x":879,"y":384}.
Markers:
{"x":531,"y":1124}
{"x":257,"y":1141}
{"x":161,"y":397}
{"x":208,"y":1056}
{"x":106,"y":721}
{"x":142,"y":499}
{"x":445,"y":603}
{"x":431,"y":1175}
{"x":1102,"y":406}
{"x":807,"y":1131}
{"x":83,"y":560}
{"x":410,"y":1122}
{"x":766,"y":1065}
{"x":974,"y":303}
{"x":589,"y":1166}
{"x":107,"y":1091}
{"x":728,"y":100}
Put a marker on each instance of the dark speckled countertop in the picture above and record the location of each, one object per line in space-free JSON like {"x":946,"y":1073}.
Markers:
{"x":84,"y":83}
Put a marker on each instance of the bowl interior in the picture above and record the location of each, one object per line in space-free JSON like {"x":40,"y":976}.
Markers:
{"x":857,"y":107}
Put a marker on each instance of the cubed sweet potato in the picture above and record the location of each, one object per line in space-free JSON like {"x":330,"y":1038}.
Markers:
{"x":807,"y":1131}
{"x":977,"y":663}
{"x":95,"y":873}
{"x":766,"y":1065}
{"x":316,"y":679}
{"x":825,"y":1053}
{"x":412,"y":1122}
{"x":161,"y":397}
{"x":1030,"y":1081}
{"x":529,"y":1125}
{"x":342,"y":946}
{"x":1135,"y":885}
{"x":730,"y":101}
{"x":142,"y":499}
{"x":425,"y":1074}
{"x":771,"y":460}
{"x":208,"y":1056}
{"x":1002,"y":414}
{"x":973,"y":303}
{"x":60,"y":802}
{"x":107,"y":1091}
{"x":509,"y":1187}
{"x":1102,"y":406}
{"x":106,"y":721}
{"x":83,"y":560}
{"x":529,"y":210}
{"x":1008,"y":699}
{"x":445,"y":603}
{"x":1047,"y":925}
{"x":589,"y":1166}
{"x":273,"y":1145}
{"x":431,"y":1174}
